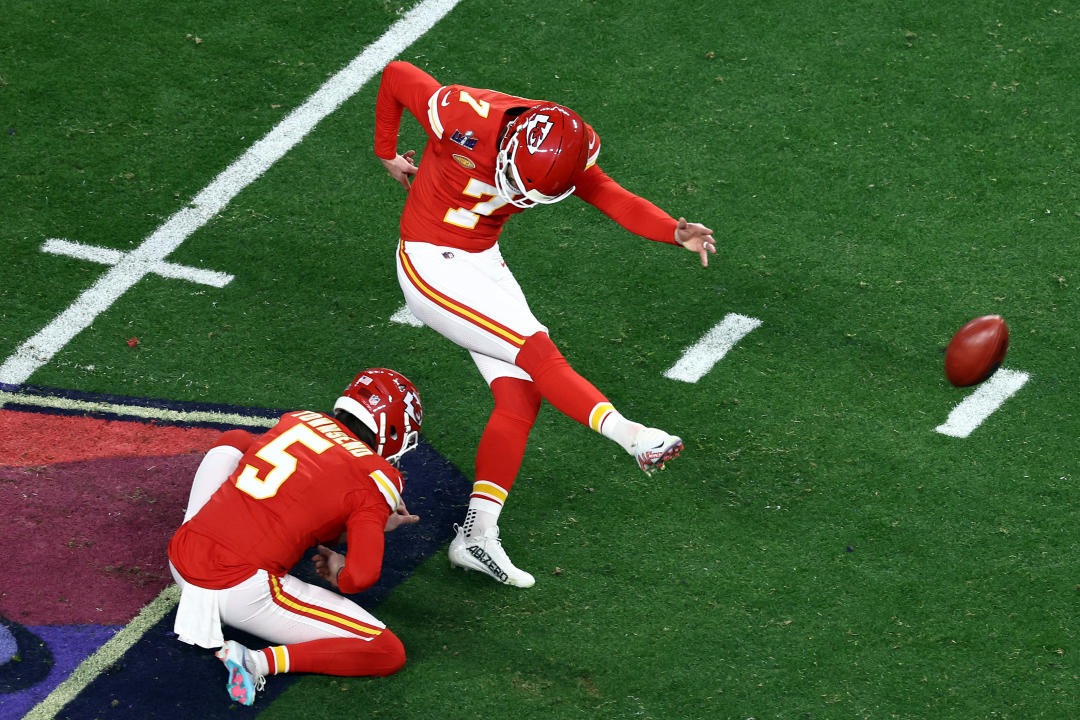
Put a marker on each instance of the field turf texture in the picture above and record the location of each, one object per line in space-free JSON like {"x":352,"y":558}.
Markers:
{"x":876,"y":174}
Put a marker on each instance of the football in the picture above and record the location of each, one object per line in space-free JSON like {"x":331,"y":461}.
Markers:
{"x":976,"y":350}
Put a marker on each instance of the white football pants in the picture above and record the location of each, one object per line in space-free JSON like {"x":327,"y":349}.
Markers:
{"x":472,"y":299}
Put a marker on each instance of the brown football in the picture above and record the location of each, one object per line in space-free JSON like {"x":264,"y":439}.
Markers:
{"x":976,"y":350}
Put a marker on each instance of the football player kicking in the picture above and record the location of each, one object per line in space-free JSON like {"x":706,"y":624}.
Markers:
{"x":255,"y":507}
{"x":490,"y":155}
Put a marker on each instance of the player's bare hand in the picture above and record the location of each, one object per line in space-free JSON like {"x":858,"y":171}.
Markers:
{"x":400,"y":517}
{"x":328,"y":564}
{"x":696,"y":238}
{"x":401,"y":168}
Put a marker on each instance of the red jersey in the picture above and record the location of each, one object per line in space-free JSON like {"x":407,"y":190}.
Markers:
{"x":453,"y":200}
{"x":301,"y":484}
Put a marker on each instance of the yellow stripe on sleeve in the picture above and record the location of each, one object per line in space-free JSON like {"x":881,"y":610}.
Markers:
{"x":387,"y":488}
{"x":433,"y":114}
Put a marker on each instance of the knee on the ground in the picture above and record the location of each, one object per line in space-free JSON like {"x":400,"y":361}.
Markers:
{"x":392,"y":654}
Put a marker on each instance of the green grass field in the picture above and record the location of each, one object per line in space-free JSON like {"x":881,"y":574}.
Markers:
{"x":877,"y":174}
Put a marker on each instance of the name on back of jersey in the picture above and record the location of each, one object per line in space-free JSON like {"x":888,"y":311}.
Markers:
{"x":332,"y":431}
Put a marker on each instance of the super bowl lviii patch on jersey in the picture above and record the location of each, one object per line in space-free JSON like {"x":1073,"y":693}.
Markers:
{"x":465,"y":139}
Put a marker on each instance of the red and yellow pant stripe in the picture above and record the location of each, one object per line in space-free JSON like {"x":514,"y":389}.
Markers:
{"x":296,"y":606}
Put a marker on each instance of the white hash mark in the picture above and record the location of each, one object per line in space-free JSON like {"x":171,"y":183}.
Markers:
{"x":698,"y":359}
{"x":979,"y":405}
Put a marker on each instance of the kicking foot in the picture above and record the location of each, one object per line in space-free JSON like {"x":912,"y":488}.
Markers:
{"x":652,"y":448}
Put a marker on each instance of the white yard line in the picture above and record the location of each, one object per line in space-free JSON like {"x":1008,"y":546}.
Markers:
{"x":141,"y":412}
{"x":698,"y":359}
{"x":150,"y":255}
{"x":108,"y":256}
{"x":979,"y":405}
{"x":404,"y":316}
{"x":105,"y":656}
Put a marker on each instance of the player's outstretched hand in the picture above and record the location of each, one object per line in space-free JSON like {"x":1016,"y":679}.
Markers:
{"x":328,"y":564}
{"x":401,"y":168}
{"x":400,"y":517}
{"x":696,"y":238}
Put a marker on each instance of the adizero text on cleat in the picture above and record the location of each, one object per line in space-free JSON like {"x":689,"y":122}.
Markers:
{"x":484,"y":553}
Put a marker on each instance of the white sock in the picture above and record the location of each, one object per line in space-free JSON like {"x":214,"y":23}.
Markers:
{"x":621,"y":430}
{"x":482,"y":514}
{"x":255,"y":662}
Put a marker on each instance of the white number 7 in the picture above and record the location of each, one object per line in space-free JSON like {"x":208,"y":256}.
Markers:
{"x":276,"y":452}
{"x":468,"y":218}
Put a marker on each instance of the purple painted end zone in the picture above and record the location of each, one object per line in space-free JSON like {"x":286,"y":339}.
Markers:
{"x":64,"y":648}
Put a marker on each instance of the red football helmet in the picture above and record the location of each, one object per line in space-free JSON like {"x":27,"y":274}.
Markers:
{"x":541,"y":153}
{"x":388,"y":405}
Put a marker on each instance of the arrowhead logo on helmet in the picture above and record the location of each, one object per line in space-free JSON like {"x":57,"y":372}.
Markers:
{"x":536,"y":131}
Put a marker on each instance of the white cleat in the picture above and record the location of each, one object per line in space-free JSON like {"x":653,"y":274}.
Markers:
{"x":652,"y":448}
{"x":484,"y":553}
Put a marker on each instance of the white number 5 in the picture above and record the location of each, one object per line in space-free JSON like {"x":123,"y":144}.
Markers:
{"x":276,"y":452}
